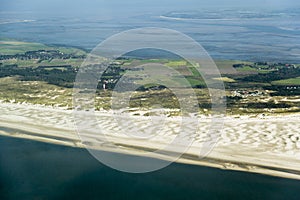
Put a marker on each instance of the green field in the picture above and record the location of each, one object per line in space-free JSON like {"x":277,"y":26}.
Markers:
{"x":290,"y":81}
{"x":177,"y":63}
{"x":11,"y":47}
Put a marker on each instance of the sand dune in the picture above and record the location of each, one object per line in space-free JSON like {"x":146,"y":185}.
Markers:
{"x":269,"y":146}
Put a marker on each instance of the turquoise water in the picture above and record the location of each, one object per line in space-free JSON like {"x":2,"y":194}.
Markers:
{"x":35,"y":170}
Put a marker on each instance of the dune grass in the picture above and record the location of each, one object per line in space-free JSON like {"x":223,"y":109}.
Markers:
{"x":288,"y":82}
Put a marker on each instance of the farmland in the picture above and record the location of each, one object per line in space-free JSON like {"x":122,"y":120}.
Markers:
{"x":39,"y":74}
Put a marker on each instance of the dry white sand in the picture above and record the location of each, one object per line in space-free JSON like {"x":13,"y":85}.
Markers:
{"x":269,"y":145}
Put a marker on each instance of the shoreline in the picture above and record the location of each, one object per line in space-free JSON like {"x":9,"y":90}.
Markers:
{"x":268,"y":146}
{"x":61,"y":172}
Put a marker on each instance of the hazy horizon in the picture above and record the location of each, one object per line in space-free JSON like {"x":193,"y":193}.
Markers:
{"x":132,"y":7}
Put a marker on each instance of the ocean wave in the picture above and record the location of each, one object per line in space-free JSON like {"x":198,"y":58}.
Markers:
{"x":16,"y":21}
{"x":288,"y":28}
{"x":224,"y":15}
{"x":207,"y":19}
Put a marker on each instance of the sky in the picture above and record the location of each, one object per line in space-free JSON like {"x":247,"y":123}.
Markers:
{"x":108,"y":7}
{"x":92,"y":4}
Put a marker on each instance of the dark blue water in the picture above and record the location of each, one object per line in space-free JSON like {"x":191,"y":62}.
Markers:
{"x":35,"y":170}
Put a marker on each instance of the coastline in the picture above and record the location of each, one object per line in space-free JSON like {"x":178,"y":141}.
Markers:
{"x":268,"y":146}
{"x":62,"y":172}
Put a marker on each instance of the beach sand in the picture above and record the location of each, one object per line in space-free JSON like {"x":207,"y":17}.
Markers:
{"x":269,"y":145}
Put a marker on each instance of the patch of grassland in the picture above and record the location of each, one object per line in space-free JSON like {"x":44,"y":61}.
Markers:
{"x":34,"y":92}
{"x":225,"y":79}
{"x":247,"y":69}
{"x":176,"y":63}
{"x":11,"y":47}
{"x":143,"y":61}
{"x":253,"y":70}
{"x":69,"y":50}
{"x":195,"y":72}
{"x":290,"y":81}
{"x":57,"y":62}
{"x":229,"y":63}
{"x":196,"y":82}
{"x":264,"y":71}
{"x":225,"y":66}
{"x":21,"y":63}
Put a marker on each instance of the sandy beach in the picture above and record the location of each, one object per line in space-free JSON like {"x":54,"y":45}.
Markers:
{"x":268,"y":145}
